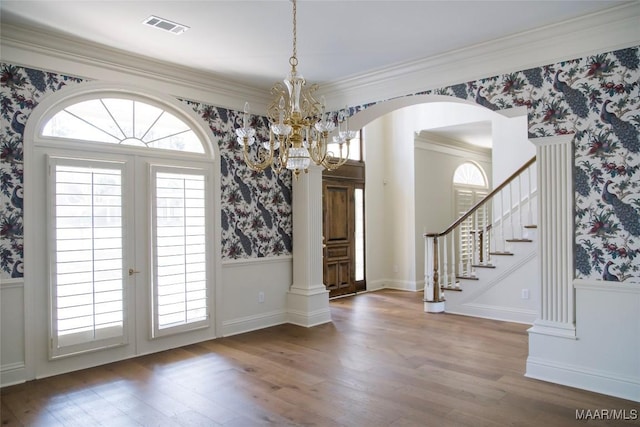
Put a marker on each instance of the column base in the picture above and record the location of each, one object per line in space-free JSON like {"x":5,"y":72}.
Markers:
{"x":308,"y":307}
{"x":554,"y":329}
{"x":434,"y":307}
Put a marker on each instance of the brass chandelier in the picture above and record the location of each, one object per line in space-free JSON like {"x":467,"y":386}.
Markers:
{"x":299,"y":127}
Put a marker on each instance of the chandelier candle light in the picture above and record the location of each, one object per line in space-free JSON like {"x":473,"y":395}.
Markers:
{"x":299,"y":127}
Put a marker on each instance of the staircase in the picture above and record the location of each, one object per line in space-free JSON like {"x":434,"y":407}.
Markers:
{"x":484,"y":264}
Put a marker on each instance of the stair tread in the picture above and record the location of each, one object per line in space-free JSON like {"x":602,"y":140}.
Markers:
{"x":500,"y":253}
{"x":519,"y":240}
{"x":531,"y":226}
{"x":483,"y":266}
{"x":444,"y":288}
{"x":467,"y":277}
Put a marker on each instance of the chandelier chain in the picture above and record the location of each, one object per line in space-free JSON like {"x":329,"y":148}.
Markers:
{"x":294,"y":58}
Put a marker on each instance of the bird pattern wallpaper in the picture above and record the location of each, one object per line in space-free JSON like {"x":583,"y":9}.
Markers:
{"x":595,"y":98}
{"x":255,"y":207}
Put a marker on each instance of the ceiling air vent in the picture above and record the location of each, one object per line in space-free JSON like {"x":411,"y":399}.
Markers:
{"x":166,"y":25}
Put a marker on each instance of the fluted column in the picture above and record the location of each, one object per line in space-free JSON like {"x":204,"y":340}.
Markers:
{"x":308,"y":298}
{"x":556,"y":237}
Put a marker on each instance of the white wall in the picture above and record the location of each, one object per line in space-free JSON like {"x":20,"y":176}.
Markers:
{"x":511,"y":146}
{"x":605,"y":355}
{"x":242,"y":282}
{"x":12,"y":345}
{"x":377,"y":252}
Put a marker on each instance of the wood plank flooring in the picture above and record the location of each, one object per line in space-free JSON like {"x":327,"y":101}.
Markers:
{"x":381,"y":362}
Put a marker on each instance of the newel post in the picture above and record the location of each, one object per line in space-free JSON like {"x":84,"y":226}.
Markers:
{"x":433,"y":296}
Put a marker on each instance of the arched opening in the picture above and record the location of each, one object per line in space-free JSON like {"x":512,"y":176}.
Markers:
{"x":409,"y":176}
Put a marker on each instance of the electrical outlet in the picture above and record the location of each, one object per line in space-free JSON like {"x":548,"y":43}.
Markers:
{"x":260,"y":296}
{"x":525,"y":294}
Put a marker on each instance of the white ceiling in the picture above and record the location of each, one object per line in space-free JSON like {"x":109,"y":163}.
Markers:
{"x":250,"y":41}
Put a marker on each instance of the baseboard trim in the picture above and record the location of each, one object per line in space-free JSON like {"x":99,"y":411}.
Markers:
{"x":504,"y":314}
{"x":12,"y":373}
{"x":254,"y":322}
{"x":583,"y":378}
{"x":309,"y":319}
{"x":398,"y":285}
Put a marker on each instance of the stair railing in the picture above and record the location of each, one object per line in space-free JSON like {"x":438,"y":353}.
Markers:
{"x":499,"y":218}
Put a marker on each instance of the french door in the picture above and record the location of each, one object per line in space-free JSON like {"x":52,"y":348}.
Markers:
{"x":129,"y":254}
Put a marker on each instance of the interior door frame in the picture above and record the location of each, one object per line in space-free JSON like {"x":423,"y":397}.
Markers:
{"x":351,"y":174}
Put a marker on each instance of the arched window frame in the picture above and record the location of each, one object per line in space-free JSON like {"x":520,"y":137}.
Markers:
{"x":478,"y":168}
{"x":90,"y":91}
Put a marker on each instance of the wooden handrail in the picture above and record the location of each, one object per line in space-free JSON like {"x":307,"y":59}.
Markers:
{"x":484,"y":200}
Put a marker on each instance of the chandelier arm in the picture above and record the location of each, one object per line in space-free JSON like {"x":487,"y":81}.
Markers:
{"x":264,"y":159}
{"x":282,"y":157}
{"x":333,"y":165}
{"x":319,"y":153}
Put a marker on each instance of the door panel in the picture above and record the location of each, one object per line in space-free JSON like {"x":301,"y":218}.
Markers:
{"x":88,"y":257}
{"x":338,"y":226}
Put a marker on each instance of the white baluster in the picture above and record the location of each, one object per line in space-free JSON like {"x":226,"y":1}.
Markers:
{"x":521,"y":225}
{"x":530,"y":214}
{"x":452,"y":274}
{"x":511,"y":222}
{"x":502,"y":236}
{"x":445,"y":266}
{"x":428,"y":268}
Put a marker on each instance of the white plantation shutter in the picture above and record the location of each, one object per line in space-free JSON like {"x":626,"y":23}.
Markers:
{"x":87,"y":255}
{"x":179,"y":217}
{"x":465,"y":201}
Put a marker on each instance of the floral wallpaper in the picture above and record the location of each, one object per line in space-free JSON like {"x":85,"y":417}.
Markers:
{"x":595,"y":98}
{"x":256,"y":208}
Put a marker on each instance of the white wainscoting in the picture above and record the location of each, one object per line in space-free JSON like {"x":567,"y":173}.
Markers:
{"x":240,"y":307}
{"x":605,"y":356}
{"x":243,"y":281}
{"x":12,"y":344}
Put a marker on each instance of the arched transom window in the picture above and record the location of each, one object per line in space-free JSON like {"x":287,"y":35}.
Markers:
{"x":123,"y":121}
{"x":469,"y":174}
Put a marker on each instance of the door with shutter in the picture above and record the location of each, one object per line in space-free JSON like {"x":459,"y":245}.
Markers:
{"x":120,"y":238}
{"x":129,"y":240}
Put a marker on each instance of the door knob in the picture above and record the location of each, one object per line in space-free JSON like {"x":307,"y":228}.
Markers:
{"x":132,"y":272}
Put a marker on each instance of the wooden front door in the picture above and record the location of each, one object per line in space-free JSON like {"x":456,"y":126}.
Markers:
{"x":339,"y":236}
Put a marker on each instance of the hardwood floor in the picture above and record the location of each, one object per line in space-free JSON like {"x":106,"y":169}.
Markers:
{"x":382,"y":362}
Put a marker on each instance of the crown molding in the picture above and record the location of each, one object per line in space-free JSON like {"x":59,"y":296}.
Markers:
{"x":426,"y":140}
{"x":56,"y":52}
{"x":608,"y":30}
{"x":612,"y":29}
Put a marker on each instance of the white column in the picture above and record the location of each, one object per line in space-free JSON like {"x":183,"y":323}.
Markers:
{"x":308,"y":298}
{"x":556,"y":238}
